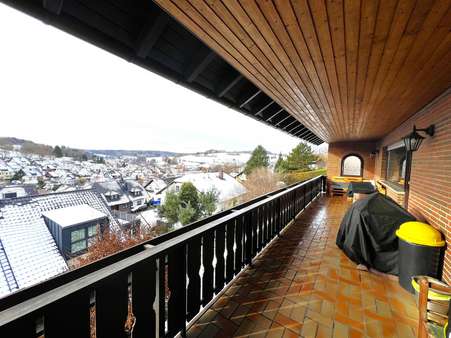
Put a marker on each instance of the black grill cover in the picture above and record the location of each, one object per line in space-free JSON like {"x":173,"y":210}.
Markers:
{"x":367,"y":232}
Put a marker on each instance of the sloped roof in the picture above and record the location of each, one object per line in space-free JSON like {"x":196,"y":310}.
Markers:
{"x":227,"y":187}
{"x":106,"y":187}
{"x":28,"y":245}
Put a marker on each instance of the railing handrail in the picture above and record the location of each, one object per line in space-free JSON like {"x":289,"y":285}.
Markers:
{"x":17,"y":307}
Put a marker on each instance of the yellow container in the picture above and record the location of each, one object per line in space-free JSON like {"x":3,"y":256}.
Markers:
{"x":420,"y":233}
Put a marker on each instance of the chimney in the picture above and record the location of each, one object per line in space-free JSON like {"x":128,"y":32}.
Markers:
{"x":221,"y":174}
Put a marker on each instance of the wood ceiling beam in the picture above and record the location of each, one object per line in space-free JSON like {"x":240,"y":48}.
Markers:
{"x":310,"y":138}
{"x":228,"y":86}
{"x":300,"y":125}
{"x":290,"y":124}
{"x":283,"y":120}
{"x":304,"y":133}
{"x":269,"y":119}
{"x":249,"y":99}
{"x":266,"y":106}
{"x":199,"y":63}
{"x":300,"y":131}
{"x":150,"y":35}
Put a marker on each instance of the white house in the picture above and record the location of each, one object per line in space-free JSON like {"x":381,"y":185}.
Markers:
{"x":228,"y":188}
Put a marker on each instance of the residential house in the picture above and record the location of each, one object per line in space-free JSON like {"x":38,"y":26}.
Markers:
{"x":6,"y":172}
{"x":153,"y":187}
{"x":14,"y":191}
{"x":227,"y":188}
{"x":113,"y":194}
{"x":136,"y":193}
{"x":73,"y":227}
{"x":39,"y":234}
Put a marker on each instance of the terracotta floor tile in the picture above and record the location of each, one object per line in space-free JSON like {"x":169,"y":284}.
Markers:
{"x":340,"y":330}
{"x":309,"y":328}
{"x":327,"y":308}
{"x":289,"y":334}
{"x":373,"y":329}
{"x":302,"y":285}
{"x":298,"y":313}
{"x":195,"y":331}
{"x":210,"y":331}
{"x":275,"y":331}
{"x":227,"y":310}
{"x":319,"y":318}
{"x":348,"y":321}
{"x":383,"y":309}
{"x":207,"y":317}
{"x":355,"y":333}
{"x":405,"y":331}
{"x":324,"y":332}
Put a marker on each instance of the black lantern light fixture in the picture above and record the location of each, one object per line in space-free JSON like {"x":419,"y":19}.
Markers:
{"x":412,"y":143}
{"x":413,"y":140}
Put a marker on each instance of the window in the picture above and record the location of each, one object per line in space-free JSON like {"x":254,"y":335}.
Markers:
{"x":135,"y":192}
{"x":78,"y":246}
{"x":112,"y":196}
{"x":80,"y":239}
{"x":352,"y":165}
{"x":92,"y":231}
{"x":396,"y":164}
{"x":77,"y":235}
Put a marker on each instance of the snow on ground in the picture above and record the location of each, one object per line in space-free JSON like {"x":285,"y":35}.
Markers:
{"x":149,"y":217}
{"x":216,"y":158}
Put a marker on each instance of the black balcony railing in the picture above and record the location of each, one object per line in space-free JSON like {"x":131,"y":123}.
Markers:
{"x":165,"y":285}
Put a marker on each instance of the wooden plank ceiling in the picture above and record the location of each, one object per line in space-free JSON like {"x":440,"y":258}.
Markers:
{"x":346,"y":69}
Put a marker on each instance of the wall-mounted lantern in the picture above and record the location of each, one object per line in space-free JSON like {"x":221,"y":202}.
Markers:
{"x":412,"y":143}
{"x":414,"y":140}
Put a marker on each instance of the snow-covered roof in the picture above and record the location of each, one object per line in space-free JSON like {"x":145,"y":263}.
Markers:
{"x":70,"y":216}
{"x":149,"y":217}
{"x":227,"y":186}
{"x":107,"y":188}
{"x":27,"y":243}
{"x":156,"y":184}
{"x":21,"y":190}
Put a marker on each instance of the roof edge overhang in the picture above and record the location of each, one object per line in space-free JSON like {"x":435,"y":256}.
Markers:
{"x":231,"y":88}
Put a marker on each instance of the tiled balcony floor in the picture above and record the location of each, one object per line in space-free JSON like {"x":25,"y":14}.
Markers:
{"x":303,"y":285}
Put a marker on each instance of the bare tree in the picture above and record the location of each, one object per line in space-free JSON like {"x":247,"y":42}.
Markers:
{"x":261,"y":181}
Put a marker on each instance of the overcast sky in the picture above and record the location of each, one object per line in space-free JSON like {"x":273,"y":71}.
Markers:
{"x":57,"y":89}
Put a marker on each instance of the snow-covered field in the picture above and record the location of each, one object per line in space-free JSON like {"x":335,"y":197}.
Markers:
{"x":216,"y":158}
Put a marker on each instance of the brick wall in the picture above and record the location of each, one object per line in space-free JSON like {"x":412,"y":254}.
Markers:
{"x":430,"y":184}
{"x":338,"y":150}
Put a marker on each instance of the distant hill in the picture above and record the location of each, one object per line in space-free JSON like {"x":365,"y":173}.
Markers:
{"x":137,"y":153}
{"x":12,"y":140}
{"x":26,"y":146}
{"x":30,"y":147}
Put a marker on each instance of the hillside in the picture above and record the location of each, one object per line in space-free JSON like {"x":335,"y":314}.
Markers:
{"x":25,"y":146}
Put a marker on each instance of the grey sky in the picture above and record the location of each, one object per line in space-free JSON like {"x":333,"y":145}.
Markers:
{"x":57,"y":89}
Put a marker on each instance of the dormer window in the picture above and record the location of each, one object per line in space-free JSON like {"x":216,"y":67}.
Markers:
{"x":112,"y":196}
{"x":136,"y":192}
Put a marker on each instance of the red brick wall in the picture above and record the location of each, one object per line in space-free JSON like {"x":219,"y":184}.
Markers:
{"x":430,"y":184}
{"x":338,"y":150}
